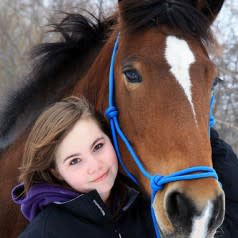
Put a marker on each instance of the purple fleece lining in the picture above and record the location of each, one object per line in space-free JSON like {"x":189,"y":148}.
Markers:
{"x":39,"y":196}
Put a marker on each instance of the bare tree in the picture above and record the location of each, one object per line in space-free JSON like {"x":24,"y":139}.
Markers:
{"x":20,"y":28}
{"x":226,"y":108}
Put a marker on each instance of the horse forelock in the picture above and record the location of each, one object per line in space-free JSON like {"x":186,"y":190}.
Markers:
{"x":56,"y":67}
{"x":181,"y":16}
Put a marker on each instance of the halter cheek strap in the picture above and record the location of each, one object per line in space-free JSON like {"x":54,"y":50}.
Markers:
{"x":212,"y":119}
{"x":157,"y":181}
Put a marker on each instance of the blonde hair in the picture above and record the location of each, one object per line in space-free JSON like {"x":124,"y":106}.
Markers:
{"x":49,"y":130}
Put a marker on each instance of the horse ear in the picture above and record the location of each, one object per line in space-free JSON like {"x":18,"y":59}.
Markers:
{"x":210,"y":8}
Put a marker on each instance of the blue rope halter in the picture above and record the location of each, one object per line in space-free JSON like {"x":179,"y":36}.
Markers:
{"x":157,"y":181}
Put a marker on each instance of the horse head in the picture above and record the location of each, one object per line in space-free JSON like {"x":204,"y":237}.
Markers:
{"x":163,"y":80}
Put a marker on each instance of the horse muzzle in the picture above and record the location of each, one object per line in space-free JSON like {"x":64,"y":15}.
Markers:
{"x":185,"y":215}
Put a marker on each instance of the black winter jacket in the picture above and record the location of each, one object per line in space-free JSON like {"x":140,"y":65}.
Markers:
{"x":225,"y":162}
{"x":87,"y":217}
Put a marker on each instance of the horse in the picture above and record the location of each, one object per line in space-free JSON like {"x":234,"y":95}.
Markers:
{"x":163,"y":79}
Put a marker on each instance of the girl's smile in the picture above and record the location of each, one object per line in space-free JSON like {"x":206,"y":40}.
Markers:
{"x":101,"y":177}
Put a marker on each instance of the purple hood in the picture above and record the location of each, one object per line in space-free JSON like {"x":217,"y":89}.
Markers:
{"x":39,"y":196}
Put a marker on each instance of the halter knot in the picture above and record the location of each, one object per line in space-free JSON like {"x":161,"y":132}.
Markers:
{"x":156,"y":183}
{"x":111,"y":112}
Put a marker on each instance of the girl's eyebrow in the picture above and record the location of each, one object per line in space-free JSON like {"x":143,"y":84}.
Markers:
{"x":95,"y":142}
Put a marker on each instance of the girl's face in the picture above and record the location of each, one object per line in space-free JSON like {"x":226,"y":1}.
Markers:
{"x":86,"y":159}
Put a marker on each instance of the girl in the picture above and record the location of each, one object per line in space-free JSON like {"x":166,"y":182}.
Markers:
{"x":69,"y":184}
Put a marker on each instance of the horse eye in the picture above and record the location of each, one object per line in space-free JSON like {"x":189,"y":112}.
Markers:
{"x":216,"y":81}
{"x":132,"y":76}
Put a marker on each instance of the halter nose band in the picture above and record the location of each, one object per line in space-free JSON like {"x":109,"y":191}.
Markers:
{"x":157,"y":181}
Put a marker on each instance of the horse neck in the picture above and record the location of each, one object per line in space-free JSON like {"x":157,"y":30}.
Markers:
{"x":94,"y":86}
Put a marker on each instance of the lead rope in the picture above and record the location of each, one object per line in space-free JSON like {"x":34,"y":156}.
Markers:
{"x":157,"y":181}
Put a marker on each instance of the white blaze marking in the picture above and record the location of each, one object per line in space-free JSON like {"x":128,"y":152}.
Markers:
{"x":180,"y":57}
{"x":200,"y":223}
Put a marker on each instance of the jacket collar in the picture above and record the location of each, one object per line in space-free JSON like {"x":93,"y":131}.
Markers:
{"x":91,"y":207}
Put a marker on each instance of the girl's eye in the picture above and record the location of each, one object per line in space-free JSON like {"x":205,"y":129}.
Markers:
{"x":98,"y":147}
{"x":74,"y":161}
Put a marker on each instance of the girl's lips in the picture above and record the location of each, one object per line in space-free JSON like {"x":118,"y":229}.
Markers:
{"x":101,"y":177}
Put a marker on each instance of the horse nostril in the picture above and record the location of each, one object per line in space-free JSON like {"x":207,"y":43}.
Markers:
{"x":180,"y":208}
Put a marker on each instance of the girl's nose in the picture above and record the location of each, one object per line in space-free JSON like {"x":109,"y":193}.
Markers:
{"x":94,"y":165}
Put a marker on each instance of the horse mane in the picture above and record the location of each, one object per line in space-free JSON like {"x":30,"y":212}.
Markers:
{"x":179,"y":15}
{"x":56,"y":68}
